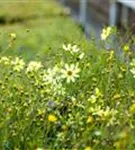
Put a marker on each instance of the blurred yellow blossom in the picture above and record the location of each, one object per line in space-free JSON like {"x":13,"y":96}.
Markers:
{"x":106,"y":114}
{"x":133,"y":71}
{"x":12,"y":35}
{"x":116,"y":97}
{"x":120,"y":145}
{"x":126,"y":48}
{"x":98,"y":92}
{"x":18,"y":64}
{"x":88,"y":148}
{"x":52,"y":118}
{"x":5,"y":60}
{"x":71,"y":48}
{"x":33,"y":66}
{"x":123,"y":68}
{"x":111,"y":55}
{"x":81,"y":56}
{"x":50,"y":74}
{"x":133,"y":63}
{"x":132,"y":108}
{"x":39,"y":149}
{"x":105,"y":33}
{"x":90,"y":119}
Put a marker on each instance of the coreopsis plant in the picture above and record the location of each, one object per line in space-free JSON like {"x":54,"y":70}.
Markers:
{"x":70,"y":72}
{"x":78,"y":101}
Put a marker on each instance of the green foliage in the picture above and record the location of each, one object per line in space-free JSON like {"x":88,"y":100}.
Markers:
{"x":59,"y":91}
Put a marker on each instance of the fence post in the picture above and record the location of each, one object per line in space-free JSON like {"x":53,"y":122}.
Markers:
{"x":113,"y":13}
{"x":124,"y":15}
{"x":63,"y":1}
{"x":83,"y":12}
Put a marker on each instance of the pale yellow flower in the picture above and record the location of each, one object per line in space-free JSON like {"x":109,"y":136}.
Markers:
{"x":12,"y":35}
{"x":133,"y":71}
{"x":71,"y":48}
{"x":5,"y":60}
{"x":75,"y":49}
{"x":106,"y":114}
{"x":33,"y":66}
{"x":81,"y":56}
{"x":105,"y":33}
{"x":70,"y":73}
{"x":111,"y":55}
{"x":97,"y":92}
{"x":133,"y":63}
{"x":18,"y":64}
{"x":39,"y":149}
{"x":67,"y":47}
{"x":92,"y":99}
{"x":50,"y":75}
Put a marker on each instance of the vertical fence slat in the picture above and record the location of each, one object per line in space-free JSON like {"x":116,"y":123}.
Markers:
{"x":113,"y":13}
{"x":83,"y":12}
{"x":63,"y":1}
{"x":124,"y":15}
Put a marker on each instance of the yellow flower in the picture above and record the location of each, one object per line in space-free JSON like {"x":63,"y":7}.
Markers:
{"x":120,"y":144}
{"x":111,"y":55}
{"x":88,"y":148}
{"x":12,"y":39}
{"x":123,"y":69}
{"x":124,"y":134}
{"x":52,"y":118}
{"x":126,"y":48}
{"x":90,"y":119}
{"x":116,"y":97}
{"x":105,"y":33}
{"x":12,"y":35}
{"x":132,"y":108}
{"x":97,"y":92}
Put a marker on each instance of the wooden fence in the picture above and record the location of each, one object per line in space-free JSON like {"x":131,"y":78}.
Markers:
{"x":117,"y":11}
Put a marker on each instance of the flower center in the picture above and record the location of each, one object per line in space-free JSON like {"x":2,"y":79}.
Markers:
{"x":69,"y":73}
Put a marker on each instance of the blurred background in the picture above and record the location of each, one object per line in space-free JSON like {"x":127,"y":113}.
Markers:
{"x":43,"y":25}
{"x":40,"y":27}
{"x":94,"y":14}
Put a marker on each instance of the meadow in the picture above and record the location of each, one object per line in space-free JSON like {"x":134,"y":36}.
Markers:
{"x":58,"y":90}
